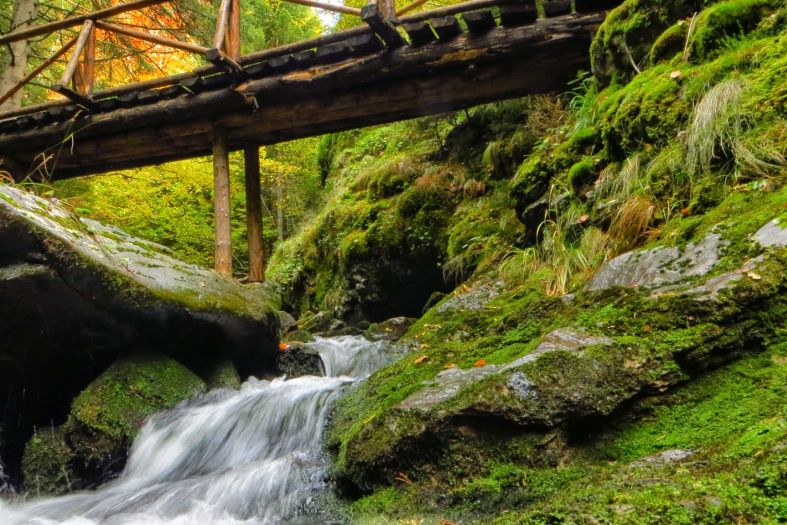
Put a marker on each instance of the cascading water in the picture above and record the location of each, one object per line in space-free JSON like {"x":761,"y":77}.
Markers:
{"x":252,"y":456}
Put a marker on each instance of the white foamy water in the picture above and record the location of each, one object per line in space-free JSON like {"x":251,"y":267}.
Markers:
{"x":248,"y":457}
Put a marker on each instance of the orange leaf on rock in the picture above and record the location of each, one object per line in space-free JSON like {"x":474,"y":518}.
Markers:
{"x":283,"y":346}
{"x":480,"y":362}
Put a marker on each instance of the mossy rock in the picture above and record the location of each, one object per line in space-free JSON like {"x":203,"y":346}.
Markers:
{"x":727,"y":20}
{"x":105,"y":418}
{"x":669,"y":42}
{"x":630,"y":31}
{"x":47,"y":463}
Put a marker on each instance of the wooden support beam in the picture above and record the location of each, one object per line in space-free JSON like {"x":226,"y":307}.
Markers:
{"x":386,"y":8}
{"x":86,"y":71}
{"x":31,"y":32}
{"x":328,"y":7}
{"x":382,"y":26}
{"x":225,"y":63}
{"x":37,"y":71}
{"x":420,"y":33}
{"x":446,"y":27}
{"x":232,"y":39}
{"x":221,"y":203}
{"x":73,"y":62}
{"x":153,"y":39}
{"x":251,"y":163}
{"x":222,"y":23}
{"x":479,"y":21}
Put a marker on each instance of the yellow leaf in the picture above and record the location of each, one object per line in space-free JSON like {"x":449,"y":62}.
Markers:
{"x":419,"y":360}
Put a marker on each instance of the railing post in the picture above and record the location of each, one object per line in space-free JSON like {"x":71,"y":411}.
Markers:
{"x":86,"y":71}
{"x":387,"y":9}
{"x":251,"y":161}
{"x":232,"y":39}
{"x":221,"y":203}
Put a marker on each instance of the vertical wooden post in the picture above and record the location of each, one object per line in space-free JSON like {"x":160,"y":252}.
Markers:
{"x":232,"y":37}
{"x":86,"y":72}
{"x":387,"y":8}
{"x":221,"y":203}
{"x":251,"y":162}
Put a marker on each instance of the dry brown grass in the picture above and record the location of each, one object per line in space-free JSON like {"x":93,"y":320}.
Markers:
{"x":474,"y":188}
{"x":547,"y":113}
{"x":631,"y":222}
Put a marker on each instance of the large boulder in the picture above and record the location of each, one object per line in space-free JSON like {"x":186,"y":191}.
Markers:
{"x":76,"y":294}
{"x":650,"y":321}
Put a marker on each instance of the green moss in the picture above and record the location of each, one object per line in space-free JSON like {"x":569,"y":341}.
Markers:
{"x":46,"y":463}
{"x":133,"y":388}
{"x":669,"y":42}
{"x":582,"y":174}
{"x":727,"y":20}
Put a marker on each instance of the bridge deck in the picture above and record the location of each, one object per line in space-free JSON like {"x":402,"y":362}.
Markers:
{"x":351,"y":82}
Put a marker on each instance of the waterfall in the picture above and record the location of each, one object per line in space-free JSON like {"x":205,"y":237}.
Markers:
{"x":252,"y":456}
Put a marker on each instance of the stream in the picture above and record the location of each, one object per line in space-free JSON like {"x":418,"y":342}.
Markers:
{"x":252,"y":456}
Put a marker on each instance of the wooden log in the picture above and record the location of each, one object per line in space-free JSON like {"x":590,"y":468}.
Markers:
{"x":251,"y":164}
{"x":222,"y":23}
{"x":221,"y":203}
{"x":446,"y":27}
{"x":479,"y":21}
{"x":382,"y":26}
{"x":411,"y":6}
{"x":521,"y":61}
{"x":232,"y":40}
{"x":37,"y":71}
{"x":28,"y":33}
{"x":557,"y":8}
{"x":420,"y":33}
{"x":585,"y":6}
{"x":333,"y":52}
{"x":365,"y":44}
{"x":347,"y":10}
{"x":73,"y":96}
{"x":225,"y":63}
{"x":86,"y":72}
{"x":386,"y":8}
{"x":518,"y":14}
{"x":153,"y":39}
{"x":73,"y":62}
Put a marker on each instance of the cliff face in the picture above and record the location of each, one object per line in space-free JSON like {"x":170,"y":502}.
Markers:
{"x":615,"y":333}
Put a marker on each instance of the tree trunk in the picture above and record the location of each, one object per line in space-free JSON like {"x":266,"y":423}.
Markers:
{"x":280,"y":209}
{"x":19,"y":54}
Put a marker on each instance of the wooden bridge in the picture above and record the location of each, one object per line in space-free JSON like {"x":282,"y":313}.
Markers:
{"x":394,"y":66}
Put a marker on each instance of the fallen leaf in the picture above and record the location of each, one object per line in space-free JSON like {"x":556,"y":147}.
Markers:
{"x":419,"y":360}
{"x":675,"y":75}
{"x":283,"y":346}
{"x":449,"y":365}
{"x":647,"y":329}
{"x":685,"y":212}
{"x":583,"y":219}
{"x":754,"y":275}
{"x":480,"y":362}
{"x":445,"y":522}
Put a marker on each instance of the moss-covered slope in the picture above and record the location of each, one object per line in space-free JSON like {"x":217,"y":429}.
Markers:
{"x":559,"y":340}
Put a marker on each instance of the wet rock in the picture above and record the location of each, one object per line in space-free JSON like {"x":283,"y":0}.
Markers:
{"x":299,"y":336}
{"x":91,"y":446}
{"x":473,"y":298}
{"x":659,"y":266}
{"x":299,"y":360}
{"x":76,"y":294}
{"x":773,"y":234}
{"x":448,"y":383}
{"x":287,"y":322}
{"x":665,"y":458}
{"x":390,"y":330}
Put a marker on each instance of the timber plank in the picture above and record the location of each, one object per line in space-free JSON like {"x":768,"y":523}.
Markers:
{"x":557,"y":8}
{"x":333,"y":52}
{"x":365,"y":44}
{"x":512,"y":15}
{"x":420,"y":33}
{"x":446,"y":27}
{"x":479,"y":21}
